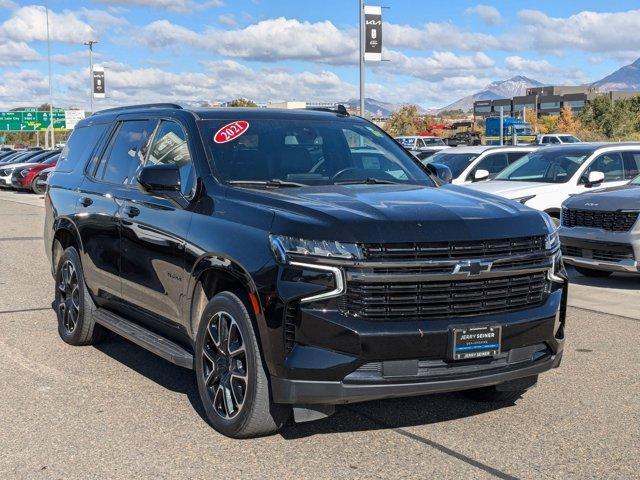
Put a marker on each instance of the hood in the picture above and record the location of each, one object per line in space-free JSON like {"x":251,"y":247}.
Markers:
{"x":513,"y":189}
{"x":13,"y":166}
{"x":625,"y":197}
{"x":392,"y":213}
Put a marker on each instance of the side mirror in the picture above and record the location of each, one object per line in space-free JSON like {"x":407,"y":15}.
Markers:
{"x":480,"y":175}
{"x":162,"y":178}
{"x":441,"y":171}
{"x":595,"y":179}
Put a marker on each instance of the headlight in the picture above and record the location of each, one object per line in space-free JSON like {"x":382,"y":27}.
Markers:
{"x":524,"y":200}
{"x":283,"y":246}
{"x":24,"y":173}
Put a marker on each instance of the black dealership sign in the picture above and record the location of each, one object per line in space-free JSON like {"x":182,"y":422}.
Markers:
{"x":373,"y":34}
{"x":98,"y":82}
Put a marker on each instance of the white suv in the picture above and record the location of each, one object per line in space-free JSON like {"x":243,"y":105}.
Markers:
{"x":474,"y":164}
{"x":547,"y":177}
{"x":557,"y":138}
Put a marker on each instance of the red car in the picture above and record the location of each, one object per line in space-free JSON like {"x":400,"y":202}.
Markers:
{"x":25,"y":178}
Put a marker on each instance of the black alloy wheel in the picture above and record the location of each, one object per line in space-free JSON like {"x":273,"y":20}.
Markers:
{"x":68,"y":297}
{"x":224,"y":365}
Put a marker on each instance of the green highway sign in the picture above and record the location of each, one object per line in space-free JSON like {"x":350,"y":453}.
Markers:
{"x":30,"y":121}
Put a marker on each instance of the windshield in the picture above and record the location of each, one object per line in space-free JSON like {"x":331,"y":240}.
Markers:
{"x":308,"y":152}
{"x":456,"y":162}
{"x":545,"y":166}
{"x":568,"y":139}
{"x":433,"y":141}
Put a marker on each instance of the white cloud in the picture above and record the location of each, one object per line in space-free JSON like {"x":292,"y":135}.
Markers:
{"x":227,"y":20}
{"x":488,"y":14}
{"x":527,"y":66}
{"x":12,"y":53}
{"x":439,"y":66}
{"x":434,"y":36}
{"x":180,"y":6}
{"x":268,"y":40}
{"x":29,"y":23}
{"x":25,"y":87}
{"x":8,"y":4}
{"x":585,"y":31}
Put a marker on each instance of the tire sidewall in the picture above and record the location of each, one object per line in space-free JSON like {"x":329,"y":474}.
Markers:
{"x":229,"y":303}
{"x":70,"y":254}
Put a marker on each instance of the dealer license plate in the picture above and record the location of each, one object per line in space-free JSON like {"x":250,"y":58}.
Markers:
{"x":475,"y":342}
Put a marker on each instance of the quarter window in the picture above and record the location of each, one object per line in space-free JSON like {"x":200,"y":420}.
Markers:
{"x":170,"y":147}
{"x":610,"y":164}
{"x":631,"y":164}
{"x":126,"y":151}
{"x":80,"y":145}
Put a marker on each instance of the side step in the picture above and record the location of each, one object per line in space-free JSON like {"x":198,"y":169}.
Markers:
{"x":148,"y":340}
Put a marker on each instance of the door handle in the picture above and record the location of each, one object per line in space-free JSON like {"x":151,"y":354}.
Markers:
{"x":130,"y":211}
{"x":86,"y":201}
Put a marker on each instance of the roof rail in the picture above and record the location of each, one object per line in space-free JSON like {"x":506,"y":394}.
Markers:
{"x":144,"y":105}
{"x":340,"y":110}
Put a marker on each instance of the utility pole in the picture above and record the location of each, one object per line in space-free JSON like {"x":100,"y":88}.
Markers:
{"x":362,"y":41}
{"x":501,"y":125}
{"x":53,"y":135}
{"x":90,"y":44}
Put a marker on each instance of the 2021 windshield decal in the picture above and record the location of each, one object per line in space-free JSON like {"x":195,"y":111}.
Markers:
{"x":231,"y":131}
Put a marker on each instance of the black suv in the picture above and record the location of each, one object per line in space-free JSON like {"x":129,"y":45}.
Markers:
{"x":296,"y":260}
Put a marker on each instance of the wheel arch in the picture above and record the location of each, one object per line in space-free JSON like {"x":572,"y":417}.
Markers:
{"x":553,"y":212}
{"x":65,"y":235}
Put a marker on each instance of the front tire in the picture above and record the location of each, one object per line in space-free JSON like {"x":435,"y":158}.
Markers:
{"x":232,"y":381}
{"x":74,"y":306}
{"x":35,"y":188}
{"x":590,"y":272}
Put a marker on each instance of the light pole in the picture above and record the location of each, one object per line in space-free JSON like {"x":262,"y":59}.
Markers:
{"x":90,"y":44}
{"x":53,"y":135}
{"x":362,"y":41}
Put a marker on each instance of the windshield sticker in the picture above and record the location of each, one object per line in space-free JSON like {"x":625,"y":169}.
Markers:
{"x":375,"y":132}
{"x":231,"y":131}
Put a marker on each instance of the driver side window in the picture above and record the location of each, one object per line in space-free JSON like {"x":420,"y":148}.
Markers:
{"x":610,"y":164}
{"x":170,"y":147}
{"x":494,"y":164}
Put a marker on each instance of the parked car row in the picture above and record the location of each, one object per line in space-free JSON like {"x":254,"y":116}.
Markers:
{"x":22,"y":169}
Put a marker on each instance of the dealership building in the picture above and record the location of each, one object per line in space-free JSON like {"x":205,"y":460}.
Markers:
{"x":545,"y":101}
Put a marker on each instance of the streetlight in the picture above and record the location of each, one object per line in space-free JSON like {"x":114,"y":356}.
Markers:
{"x":53,"y":135}
{"x":90,"y":44}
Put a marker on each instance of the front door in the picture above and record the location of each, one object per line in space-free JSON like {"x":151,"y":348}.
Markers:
{"x":154,"y":232}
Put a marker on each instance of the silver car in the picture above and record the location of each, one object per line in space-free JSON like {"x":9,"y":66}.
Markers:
{"x":600,"y":230}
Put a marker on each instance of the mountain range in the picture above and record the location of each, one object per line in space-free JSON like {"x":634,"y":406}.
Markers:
{"x":379,"y":108}
{"x":626,"y":78}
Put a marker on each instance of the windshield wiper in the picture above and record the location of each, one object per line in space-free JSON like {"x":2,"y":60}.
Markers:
{"x":368,"y":181}
{"x":273,"y":183}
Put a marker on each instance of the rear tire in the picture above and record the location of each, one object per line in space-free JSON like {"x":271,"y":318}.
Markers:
{"x":73,"y":304}
{"x":590,"y":272}
{"x":232,"y":381}
{"x":35,"y":188}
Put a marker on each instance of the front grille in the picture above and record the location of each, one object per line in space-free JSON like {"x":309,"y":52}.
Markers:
{"x":379,"y":252}
{"x":611,"y":221}
{"x":624,"y":252}
{"x":418,"y":300}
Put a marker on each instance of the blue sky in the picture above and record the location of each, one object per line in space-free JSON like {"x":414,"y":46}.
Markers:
{"x":216,"y":50}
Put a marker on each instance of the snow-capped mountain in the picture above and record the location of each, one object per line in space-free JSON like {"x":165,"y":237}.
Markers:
{"x":625,"y":78}
{"x":509,"y":88}
{"x":378,"y":108}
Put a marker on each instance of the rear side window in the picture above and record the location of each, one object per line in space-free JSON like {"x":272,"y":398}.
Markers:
{"x":631,"y":164}
{"x":126,"y":151}
{"x":513,"y":156}
{"x":81,"y":143}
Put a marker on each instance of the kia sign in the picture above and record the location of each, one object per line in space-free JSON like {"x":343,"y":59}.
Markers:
{"x":98,"y":81}
{"x":373,"y":34}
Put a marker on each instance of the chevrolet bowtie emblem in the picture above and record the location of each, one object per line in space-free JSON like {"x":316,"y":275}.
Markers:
{"x":473,"y":267}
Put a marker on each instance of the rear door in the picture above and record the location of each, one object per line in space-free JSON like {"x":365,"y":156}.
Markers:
{"x":100,"y":198}
{"x":154,"y":231}
{"x":611,"y":164}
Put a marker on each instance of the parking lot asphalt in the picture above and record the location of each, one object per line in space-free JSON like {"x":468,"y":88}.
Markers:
{"x":117,"y":411}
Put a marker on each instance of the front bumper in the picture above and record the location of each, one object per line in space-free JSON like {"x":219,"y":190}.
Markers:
{"x":305,"y":392}
{"x":5,"y":181}
{"x":607,"y":251}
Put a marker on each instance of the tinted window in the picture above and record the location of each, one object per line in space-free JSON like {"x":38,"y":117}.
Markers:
{"x":79,"y":146}
{"x":493,"y":163}
{"x":636,"y":181}
{"x":545,"y":139}
{"x":631,"y":164}
{"x":548,"y":165}
{"x":170,"y":147}
{"x":610,"y":164}
{"x":513,"y":156}
{"x":457,"y":162}
{"x":554,"y":140}
{"x":310,"y":152}
{"x":126,"y":151}
{"x":569,"y":139}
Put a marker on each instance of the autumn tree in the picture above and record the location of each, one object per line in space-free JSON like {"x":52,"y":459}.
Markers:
{"x":567,"y":121}
{"x":242,"y":102}
{"x":405,"y":121}
{"x":547,"y":123}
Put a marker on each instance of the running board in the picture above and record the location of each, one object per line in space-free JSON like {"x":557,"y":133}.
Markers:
{"x":148,"y":340}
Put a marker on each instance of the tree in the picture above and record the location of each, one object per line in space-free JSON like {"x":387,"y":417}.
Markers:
{"x":547,"y":123}
{"x":567,"y":121}
{"x":242,"y":102}
{"x":404,"y":121}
